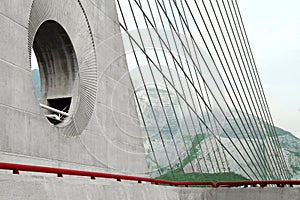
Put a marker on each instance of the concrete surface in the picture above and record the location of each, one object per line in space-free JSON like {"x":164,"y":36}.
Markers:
{"x":110,"y":139}
{"x":39,"y":187}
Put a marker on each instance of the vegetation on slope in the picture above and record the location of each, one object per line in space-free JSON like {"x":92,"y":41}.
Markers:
{"x":179,"y":175}
{"x":198,"y":176}
{"x":193,"y":150}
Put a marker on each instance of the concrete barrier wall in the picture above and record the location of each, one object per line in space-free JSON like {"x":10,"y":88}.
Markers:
{"x":15,"y":187}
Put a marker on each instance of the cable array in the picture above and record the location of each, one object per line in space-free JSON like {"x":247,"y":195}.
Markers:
{"x":198,"y":93}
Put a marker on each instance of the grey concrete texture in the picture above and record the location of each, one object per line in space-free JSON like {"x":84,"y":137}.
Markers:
{"x":31,"y":187}
{"x":111,"y":141}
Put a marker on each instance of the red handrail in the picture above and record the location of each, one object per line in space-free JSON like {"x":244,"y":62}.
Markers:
{"x":62,"y":171}
{"x":258,"y":183}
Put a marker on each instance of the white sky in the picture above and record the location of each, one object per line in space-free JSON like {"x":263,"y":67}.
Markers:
{"x":34,"y":63}
{"x":273,"y":29}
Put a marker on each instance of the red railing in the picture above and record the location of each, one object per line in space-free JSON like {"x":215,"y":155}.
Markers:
{"x":61,"y":171}
{"x":258,"y":183}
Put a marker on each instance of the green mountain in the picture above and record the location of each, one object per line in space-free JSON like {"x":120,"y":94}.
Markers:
{"x":290,"y":143}
{"x":291,"y":149}
{"x":194,"y":149}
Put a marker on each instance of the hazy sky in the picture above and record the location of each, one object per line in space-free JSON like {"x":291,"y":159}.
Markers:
{"x":273,"y":29}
